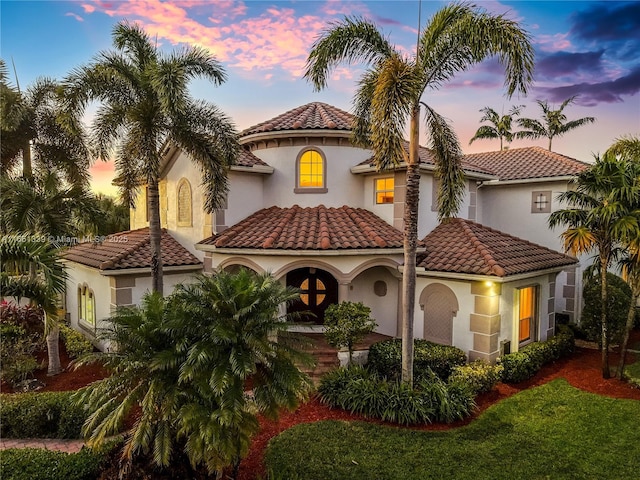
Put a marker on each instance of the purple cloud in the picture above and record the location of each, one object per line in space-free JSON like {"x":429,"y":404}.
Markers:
{"x":607,"y":22}
{"x":560,"y":64}
{"x":590,"y":94}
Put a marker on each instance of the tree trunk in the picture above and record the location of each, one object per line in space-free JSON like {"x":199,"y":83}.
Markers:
{"x":550,"y":139}
{"x":410,"y":220}
{"x":53,"y":351}
{"x":603,"y":316}
{"x":631,"y":315}
{"x":155,"y":233}
{"x":27,"y":169}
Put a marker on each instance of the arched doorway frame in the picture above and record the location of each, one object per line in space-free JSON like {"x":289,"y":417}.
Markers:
{"x":438,"y":320}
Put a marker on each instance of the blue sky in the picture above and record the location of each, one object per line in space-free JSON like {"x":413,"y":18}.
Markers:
{"x":583,"y":48}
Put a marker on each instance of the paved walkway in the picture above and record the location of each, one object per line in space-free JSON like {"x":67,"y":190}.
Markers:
{"x":68,"y":446}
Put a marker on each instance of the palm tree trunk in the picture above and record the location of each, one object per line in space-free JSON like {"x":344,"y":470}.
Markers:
{"x":550,"y":139}
{"x":631,"y":315}
{"x":410,"y":242}
{"x":53,"y":351}
{"x":603,"y":316}
{"x":155,"y":234}
{"x":27,"y":169}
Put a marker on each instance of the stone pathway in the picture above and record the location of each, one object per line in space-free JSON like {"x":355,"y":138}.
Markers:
{"x":68,"y":446}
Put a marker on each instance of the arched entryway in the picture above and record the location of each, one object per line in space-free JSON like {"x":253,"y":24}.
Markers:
{"x":440,"y":305}
{"x":318,"y":290}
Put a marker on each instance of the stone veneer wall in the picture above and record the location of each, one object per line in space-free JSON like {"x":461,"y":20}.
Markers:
{"x":551,"y":305}
{"x":569,"y":294}
{"x":485,"y":321}
{"x":121,"y":290}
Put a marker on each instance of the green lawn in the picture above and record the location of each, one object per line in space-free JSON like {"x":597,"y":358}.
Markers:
{"x":550,"y":432}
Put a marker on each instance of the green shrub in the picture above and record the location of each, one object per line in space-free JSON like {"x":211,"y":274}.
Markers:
{"x":75,"y":343}
{"x":479,"y":376}
{"x":385,"y":358}
{"x":522,"y":365}
{"x":16,"y":353}
{"x":360,"y":391}
{"x":346,"y":324}
{"x":28,"y":317}
{"x":40,"y":464}
{"x":41,"y":415}
{"x":619,"y":298}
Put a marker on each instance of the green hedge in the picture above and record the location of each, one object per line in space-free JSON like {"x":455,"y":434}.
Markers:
{"x":40,"y":415}
{"x":522,"y":365}
{"x":40,"y":464}
{"x":75,"y":343}
{"x":480,"y":376}
{"x":385,"y":358}
{"x":360,"y":391}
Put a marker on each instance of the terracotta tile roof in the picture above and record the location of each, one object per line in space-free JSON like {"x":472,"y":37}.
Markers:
{"x":311,"y":228}
{"x":463,"y":246}
{"x":528,"y":162}
{"x":130,"y":249}
{"x":316,"y":116}
{"x":427,"y":158}
{"x":247,"y":159}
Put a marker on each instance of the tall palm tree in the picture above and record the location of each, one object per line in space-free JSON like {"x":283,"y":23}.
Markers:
{"x":145,"y":106}
{"x":185,"y":361}
{"x":390,"y":93}
{"x":34,"y":134}
{"x":628,"y":148}
{"x":500,"y":125}
{"x":603,"y":213}
{"x":30,"y":269}
{"x":553,"y":123}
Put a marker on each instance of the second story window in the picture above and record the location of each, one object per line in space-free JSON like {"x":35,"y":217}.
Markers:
{"x":311,"y":172}
{"x":384,"y":190}
{"x":184,"y":203}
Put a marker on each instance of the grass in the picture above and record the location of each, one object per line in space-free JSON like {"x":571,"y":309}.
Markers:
{"x":632,"y":372}
{"x":552,"y":431}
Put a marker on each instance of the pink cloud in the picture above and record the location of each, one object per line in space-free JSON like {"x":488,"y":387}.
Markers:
{"x":552,"y":43}
{"x":88,"y":8}
{"x":77,"y":17}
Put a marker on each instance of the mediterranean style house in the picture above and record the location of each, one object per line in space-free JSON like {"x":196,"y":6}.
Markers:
{"x":309,"y":207}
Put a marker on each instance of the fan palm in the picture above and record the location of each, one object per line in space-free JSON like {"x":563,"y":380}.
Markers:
{"x":553,"y":124}
{"x":145,"y":107}
{"x":603,"y":214}
{"x":185,"y":361}
{"x":34,"y":133}
{"x":390,"y":93}
{"x":500,"y":125}
{"x":30,"y":269}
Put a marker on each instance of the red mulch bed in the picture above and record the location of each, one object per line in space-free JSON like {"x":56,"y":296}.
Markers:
{"x":69,"y":379}
{"x":582,"y":370}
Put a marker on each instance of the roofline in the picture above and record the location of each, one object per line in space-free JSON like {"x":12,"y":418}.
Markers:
{"x":560,"y":178}
{"x":359,"y":169}
{"x":302,"y":253}
{"x":133,"y":271}
{"x":422,"y":272}
{"x":314,"y":132}
{"x":255,"y":169}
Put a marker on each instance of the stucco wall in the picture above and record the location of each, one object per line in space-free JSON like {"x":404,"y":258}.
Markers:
{"x":384,"y":309}
{"x":246,"y":196}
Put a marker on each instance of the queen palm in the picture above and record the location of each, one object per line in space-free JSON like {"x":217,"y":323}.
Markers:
{"x":35,"y":135}
{"x":500,"y":125}
{"x":603,"y":214}
{"x":30,"y":269}
{"x":390,"y":93}
{"x":145,"y":106}
{"x":553,"y":123}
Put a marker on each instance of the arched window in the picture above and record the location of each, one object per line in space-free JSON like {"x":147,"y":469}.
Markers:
{"x":86,"y":305}
{"x":184,"y":203}
{"x":311,"y":172}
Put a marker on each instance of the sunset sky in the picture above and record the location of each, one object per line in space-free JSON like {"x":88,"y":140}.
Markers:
{"x":584,"y":48}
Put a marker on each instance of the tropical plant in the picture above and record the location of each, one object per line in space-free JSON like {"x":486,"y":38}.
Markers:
{"x":390,"y":93}
{"x":115,"y":215}
{"x":500,"y":125}
{"x":553,"y":123}
{"x":34,"y":134}
{"x":346,"y":323}
{"x":46,"y":207}
{"x":30,"y":269}
{"x":618,"y":297}
{"x":602,"y":214}
{"x":186,"y":362}
{"x":145,"y":107}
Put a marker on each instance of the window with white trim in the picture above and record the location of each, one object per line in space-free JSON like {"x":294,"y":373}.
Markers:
{"x":86,"y":305}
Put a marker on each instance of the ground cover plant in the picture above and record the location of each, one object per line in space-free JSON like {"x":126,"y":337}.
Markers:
{"x":544,"y":432}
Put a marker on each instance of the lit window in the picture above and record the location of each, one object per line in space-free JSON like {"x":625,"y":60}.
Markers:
{"x":384,"y":190}
{"x":527,"y":314}
{"x":86,"y":305}
{"x":184,"y":203}
{"x":311,"y":170}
